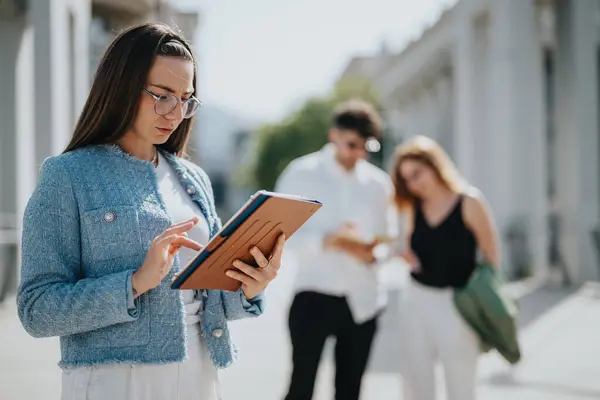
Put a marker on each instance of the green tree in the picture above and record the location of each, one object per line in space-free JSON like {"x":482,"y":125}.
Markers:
{"x":303,"y":132}
{"x":349,"y":88}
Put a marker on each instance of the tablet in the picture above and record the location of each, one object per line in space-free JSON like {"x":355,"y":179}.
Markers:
{"x":259,"y":222}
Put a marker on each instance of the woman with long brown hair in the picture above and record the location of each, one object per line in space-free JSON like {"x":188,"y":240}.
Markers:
{"x":447,"y":221}
{"x":113,"y":219}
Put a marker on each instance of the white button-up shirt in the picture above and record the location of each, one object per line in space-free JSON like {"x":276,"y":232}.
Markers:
{"x":362,"y":196}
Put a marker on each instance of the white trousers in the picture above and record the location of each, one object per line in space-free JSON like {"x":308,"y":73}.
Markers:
{"x":196,"y":378}
{"x":433,"y":331}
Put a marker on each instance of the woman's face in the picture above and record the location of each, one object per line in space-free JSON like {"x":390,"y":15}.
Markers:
{"x":168,"y":76}
{"x":419,"y":177}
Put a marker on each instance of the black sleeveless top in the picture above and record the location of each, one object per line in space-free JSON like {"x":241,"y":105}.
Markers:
{"x":447,"y":252}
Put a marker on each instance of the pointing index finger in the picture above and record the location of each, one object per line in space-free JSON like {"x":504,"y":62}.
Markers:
{"x":180,"y":227}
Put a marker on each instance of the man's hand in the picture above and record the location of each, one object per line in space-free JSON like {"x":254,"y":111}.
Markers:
{"x":346,"y":232}
{"x":347,"y":240}
{"x":363,"y":253}
{"x":330,"y":241}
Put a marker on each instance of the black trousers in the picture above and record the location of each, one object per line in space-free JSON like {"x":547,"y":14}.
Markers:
{"x":313,"y":318}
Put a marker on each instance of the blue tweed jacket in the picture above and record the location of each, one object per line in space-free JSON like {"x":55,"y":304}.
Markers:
{"x":77,"y":262}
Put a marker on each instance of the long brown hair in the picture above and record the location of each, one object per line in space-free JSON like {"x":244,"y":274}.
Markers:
{"x":430,"y":153}
{"x":112,"y":103}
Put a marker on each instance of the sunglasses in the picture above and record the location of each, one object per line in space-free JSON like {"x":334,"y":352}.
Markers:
{"x":372,"y":145}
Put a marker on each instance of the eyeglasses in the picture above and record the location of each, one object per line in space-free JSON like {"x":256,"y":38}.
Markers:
{"x":165,"y":103}
{"x":372,"y":145}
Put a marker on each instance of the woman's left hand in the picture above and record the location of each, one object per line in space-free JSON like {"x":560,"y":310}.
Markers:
{"x":256,"y":279}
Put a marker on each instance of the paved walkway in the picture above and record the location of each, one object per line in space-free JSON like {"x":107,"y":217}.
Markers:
{"x":559,"y":335}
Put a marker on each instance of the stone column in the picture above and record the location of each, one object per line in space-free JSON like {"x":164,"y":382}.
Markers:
{"x":463,"y":89}
{"x":11,"y":32}
{"x":17,"y":152}
{"x":394,"y":120}
{"x":26,"y":171}
{"x":429,"y":111}
{"x":481,"y":106}
{"x":577,"y":130}
{"x":418,"y":114}
{"x":51,"y":26}
{"x":447,"y":114}
{"x":61,"y":70}
{"x":81,"y":81}
{"x":516,"y":132}
{"x":411,"y":111}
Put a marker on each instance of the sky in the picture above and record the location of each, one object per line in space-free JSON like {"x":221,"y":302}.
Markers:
{"x":262,"y":58}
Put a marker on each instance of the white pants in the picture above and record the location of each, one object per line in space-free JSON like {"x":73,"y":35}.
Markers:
{"x":196,"y":378}
{"x":432,"y":331}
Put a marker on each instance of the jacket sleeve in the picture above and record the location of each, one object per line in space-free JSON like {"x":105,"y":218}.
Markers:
{"x":53,"y":298}
{"x":235,"y":304}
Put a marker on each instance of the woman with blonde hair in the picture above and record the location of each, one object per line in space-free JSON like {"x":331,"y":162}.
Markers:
{"x":447,"y":221}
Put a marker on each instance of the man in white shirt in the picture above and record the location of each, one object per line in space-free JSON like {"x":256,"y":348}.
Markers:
{"x":338,"y":290}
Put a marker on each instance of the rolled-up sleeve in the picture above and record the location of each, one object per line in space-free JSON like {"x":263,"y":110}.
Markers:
{"x":237,"y":306}
{"x":254,"y":305}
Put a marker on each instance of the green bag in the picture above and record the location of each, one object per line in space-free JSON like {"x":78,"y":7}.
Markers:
{"x":490,"y":313}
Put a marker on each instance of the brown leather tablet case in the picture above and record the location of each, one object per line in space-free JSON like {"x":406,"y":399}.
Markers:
{"x":258,"y":223}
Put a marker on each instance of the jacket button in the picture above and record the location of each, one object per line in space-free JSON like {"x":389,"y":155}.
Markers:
{"x":190,"y":189}
{"x":109,"y":216}
{"x":217,"y":333}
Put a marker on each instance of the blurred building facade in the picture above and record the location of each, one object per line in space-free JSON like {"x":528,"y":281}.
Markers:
{"x":510,"y":89}
{"x":222,"y":148}
{"x":50,"y":50}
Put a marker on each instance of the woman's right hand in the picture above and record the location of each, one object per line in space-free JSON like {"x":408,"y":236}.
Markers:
{"x":161,"y":254}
